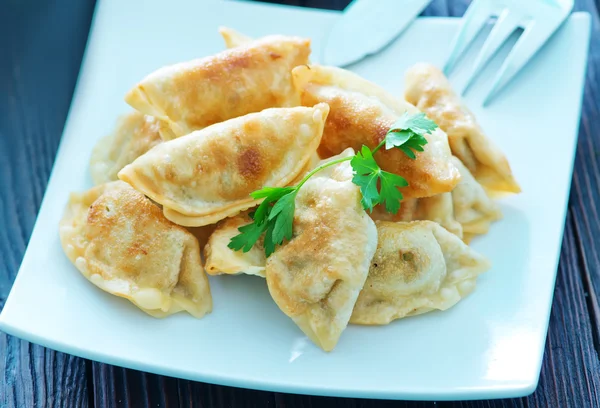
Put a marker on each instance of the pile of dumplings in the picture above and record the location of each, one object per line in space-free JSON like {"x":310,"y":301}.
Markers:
{"x":173,"y":183}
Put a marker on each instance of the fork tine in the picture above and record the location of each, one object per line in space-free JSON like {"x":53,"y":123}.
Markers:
{"x":507,"y":23}
{"x":473,"y":21}
{"x":535,"y":35}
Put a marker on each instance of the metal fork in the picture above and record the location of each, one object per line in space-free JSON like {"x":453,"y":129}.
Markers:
{"x":539,"y":19}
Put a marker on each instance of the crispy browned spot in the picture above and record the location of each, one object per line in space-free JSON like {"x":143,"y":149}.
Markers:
{"x":137,"y":248}
{"x":274,"y":55}
{"x":249,"y":163}
{"x":242,"y":60}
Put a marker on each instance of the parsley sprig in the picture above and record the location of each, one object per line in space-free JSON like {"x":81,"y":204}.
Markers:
{"x":274,"y":217}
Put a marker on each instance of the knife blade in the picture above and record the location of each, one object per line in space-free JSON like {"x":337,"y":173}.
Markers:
{"x":366,"y":26}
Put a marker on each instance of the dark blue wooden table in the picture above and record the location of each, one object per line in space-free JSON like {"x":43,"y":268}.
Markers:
{"x":41,"y":46}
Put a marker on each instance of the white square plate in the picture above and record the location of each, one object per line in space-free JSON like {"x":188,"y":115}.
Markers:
{"x":490,"y":345}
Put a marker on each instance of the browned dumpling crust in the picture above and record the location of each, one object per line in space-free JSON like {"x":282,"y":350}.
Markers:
{"x":418,"y":267}
{"x":430,"y":91}
{"x":466,"y":211}
{"x":473,"y":208}
{"x":316,"y":277}
{"x":121,"y":242}
{"x":134,"y":134}
{"x":440,"y":209}
{"x":193,"y":95}
{"x":209,"y":174}
{"x":222,"y":260}
{"x":361,"y":113}
{"x":407,"y":212}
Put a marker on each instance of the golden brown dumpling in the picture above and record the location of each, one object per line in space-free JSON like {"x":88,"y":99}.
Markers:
{"x":466,"y":211}
{"x":312,"y":162}
{"x":120,"y":241}
{"x":192,"y":95}
{"x":134,"y":135}
{"x":316,"y":277}
{"x":418,"y":267}
{"x":473,"y":209}
{"x":439,"y":208}
{"x":209,"y":174}
{"x":220,"y":259}
{"x":407,"y":212}
{"x":430,"y":91}
{"x":361,"y":113}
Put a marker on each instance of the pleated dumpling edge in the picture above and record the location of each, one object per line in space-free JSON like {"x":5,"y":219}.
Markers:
{"x":120,"y":241}
{"x":418,"y":267}
{"x":192,"y":95}
{"x":361,"y":113}
{"x":209,"y":174}
{"x":316,"y":277}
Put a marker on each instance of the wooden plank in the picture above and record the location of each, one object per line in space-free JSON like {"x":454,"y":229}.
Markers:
{"x":585,"y":197}
{"x":570,"y":371}
{"x":38,"y":69}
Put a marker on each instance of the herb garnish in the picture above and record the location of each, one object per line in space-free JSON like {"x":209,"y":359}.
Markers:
{"x":275,"y":215}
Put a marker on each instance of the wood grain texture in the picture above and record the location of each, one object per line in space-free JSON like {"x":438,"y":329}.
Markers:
{"x":39,"y":64}
{"x":38,"y":68}
{"x":585,"y":190}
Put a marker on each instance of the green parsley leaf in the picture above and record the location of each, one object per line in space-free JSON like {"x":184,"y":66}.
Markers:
{"x":269,"y":243}
{"x":397,"y":139}
{"x":249,"y":235}
{"x":407,"y":133}
{"x":283,"y":216}
{"x":280,"y":205}
{"x":416,"y":142}
{"x":390,"y":195}
{"x":262,"y":212}
{"x":367,"y":174}
{"x":275,"y":215}
{"x":270,"y":195}
{"x":363,"y":161}
{"x":272,"y":192}
{"x":417,"y":123}
{"x":368,"y":189}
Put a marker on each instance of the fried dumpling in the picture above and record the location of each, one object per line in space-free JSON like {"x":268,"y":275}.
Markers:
{"x":121,"y":242}
{"x":233,"y":38}
{"x":316,"y":277}
{"x":466,"y":211}
{"x":439,"y":208}
{"x":133,"y":135}
{"x":312,"y":162}
{"x":193,"y":95}
{"x":418,"y":267}
{"x":209,"y":174}
{"x":430,"y":91}
{"x":220,"y":259}
{"x":473,"y":209}
{"x":361,"y":114}
{"x":407,"y":212}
